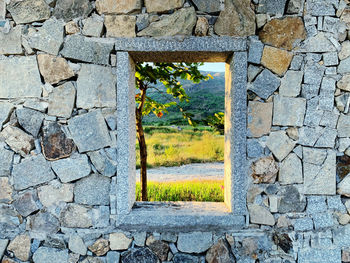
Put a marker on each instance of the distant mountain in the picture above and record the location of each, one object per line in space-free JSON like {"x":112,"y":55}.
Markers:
{"x":207,"y":98}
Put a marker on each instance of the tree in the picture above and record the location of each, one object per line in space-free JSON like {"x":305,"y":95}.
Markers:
{"x":147,"y":76}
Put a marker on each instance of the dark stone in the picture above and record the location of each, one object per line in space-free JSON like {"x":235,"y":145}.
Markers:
{"x":185,"y":258}
{"x":283,"y":241}
{"x":291,"y":202}
{"x":55,"y":144}
{"x":219,"y":253}
{"x":44,"y":222}
{"x":30,"y":120}
{"x":160,"y":248}
{"x":10,"y":222}
{"x":142,"y":255}
{"x":55,"y":242}
{"x":25,"y":204}
{"x":343,"y":166}
{"x":70,"y":9}
{"x":208,"y":6}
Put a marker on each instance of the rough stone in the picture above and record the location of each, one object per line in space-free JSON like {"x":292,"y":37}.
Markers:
{"x":44,"y":222}
{"x":113,"y":7}
{"x":105,"y":165}
{"x":321,"y":7}
{"x":100,"y":247}
{"x":264,"y":170}
{"x":54,"y":69}
{"x":344,"y":66}
{"x":345,"y":50}
{"x":53,"y":255}
{"x":48,"y":38}
{"x":120,"y":26}
{"x":194,"y":242}
{"x":260,"y":215}
{"x":20,"y":246}
{"x":202,"y":27}
{"x":77,"y":245}
{"x":291,"y":83}
{"x":144,"y":255}
{"x":313,"y":73}
{"x":309,"y":135}
{"x":51,"y":194}
{"x":92,"y":27}
{"x":259,"y":118}
{"x":70,"y":9}
{"x":276,"y":60}
{"x":87,"y":49}
{"x":323,"y":220}
{"x":294,"y":7}
{"x":237,"y":19}
{"x":6,"y":109}
{"x":280,"y":144}
{"x":327,"y":138}
{"x":256,"y":48}
{"x":314,"y":156}
{"x":71,"y":28}
{"x":6,"y":190}
{"x":96,"y":87}
{"x":336,"y":204}
{"x":3,"y":245}
{"x":316,"y":204}
{"x":119,"y":241}
{"x":219,"y":253}
{"x":12,"y":41}
{"x":265,"y":84}
{"x":181,"y":22}
{"x":283,"y":33}
{"x":113,"y":257}
{"x":272,"y":7}
{"x":6,"y":159}
{"x":291,"y":201}
{"x":303,"y":224}
{"x":73,"y":168}
{"x":180,"y":258}
{"x":344,"y":219}
{"x":10,"y":222}
{"x":321,"y":179}
{"x":343,"y":188}
{"x":162,"y":6}
{"x":343,"y":126}
{"x":92,"y":190}
{"x":28,"y":11}
{"x":254,"y":148}
{"x":29,"y":85}
{"x":95,"y":136}
{"x":26,"y":204}
{"x":74,"y":215}
{"x":30,"y":120}
{"x":317,"y":44}
{"x":55,"y":144}
{"x":61,"y":100}
{"x":344,"y":83}
{"x":211,"y":6}
{"x":291,"y":171}
{"x":18,"y":140}
{"x":158,"y":247}
{"x":288,"y":111}
{"x":319,"y":255}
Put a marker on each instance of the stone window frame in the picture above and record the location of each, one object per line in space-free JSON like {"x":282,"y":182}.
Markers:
{"x":182,"y":216}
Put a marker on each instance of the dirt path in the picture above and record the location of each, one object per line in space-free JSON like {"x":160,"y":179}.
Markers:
{"x":198,"y":171}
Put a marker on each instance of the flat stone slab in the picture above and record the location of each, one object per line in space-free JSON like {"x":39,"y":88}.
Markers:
{"x":30,"y":120}
{"x":53,"y":255}
{"x":28,"y":11}
{"x":11,"y":42}
{"x":5,"y":111}
{"x":194,"y":242}
{"x":27,"y":85}
{"x":288,"y":111}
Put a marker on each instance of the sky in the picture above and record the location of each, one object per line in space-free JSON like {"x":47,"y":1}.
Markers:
{"x":215,"y":67}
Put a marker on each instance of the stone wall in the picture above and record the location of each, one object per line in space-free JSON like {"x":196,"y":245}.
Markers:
{"x":58,"y":123}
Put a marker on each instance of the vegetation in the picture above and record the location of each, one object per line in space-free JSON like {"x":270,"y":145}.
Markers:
{"x":201,"y":191}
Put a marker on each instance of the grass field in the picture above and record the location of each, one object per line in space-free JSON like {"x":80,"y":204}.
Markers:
{"x":201,"y":191}
{"x":168,"y":146}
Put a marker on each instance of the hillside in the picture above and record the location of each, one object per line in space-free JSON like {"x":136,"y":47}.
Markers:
{"x":207,"y":98}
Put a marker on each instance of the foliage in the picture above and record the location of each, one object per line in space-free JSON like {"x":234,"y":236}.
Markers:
{"x":217,"y":122}
{"x":197,"y":190}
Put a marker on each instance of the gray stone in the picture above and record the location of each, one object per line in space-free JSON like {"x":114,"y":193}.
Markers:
{"x":280,"y":144}
{"x":313,"y":73}
{"x":185,"y":258}
{"x":95,"y":135}
{"x":291,"y":170}
{"x":344,"y":66}
{"x":119,"y":241}
{"x":259,"y":118}
{"x":313,"y":116}
{"x":321,"y":7}
{"x":6,"y":191}
{"x":36,"y":104}
{"x":335,"y":203}
{"x":327,"y":94}
{"x":194,"y":242}
{"x":12,"y":41}
{"x":288,"y":111}
{"x":253,"y":71}
{"x":20,"y":246}
{"x":272,"y":7}
{"x":158,"y":247}
{"x":86,"y":49}
{"x":291,"y":201}
{"x":142,"y":21}
{"x":3,"y":245}
{"x":254,"y":148}
{"x":314,"y":156}
{"x":74,"y":215}
{"x":44,"y":222}
{"x":343,"y":125}
{"x":26,"y":204}
{"x":341,"y":236}
{"x":265,"y":84}
{"x":96,"y":87}
{"x":28,"y":11}
{"x":113,"y":257}
{"x":162,"y":6}
{"x":323,"y":220}
{"x":316,"y":204}
{"x":309,"y":135}
{"x":181,"y":22}
{"x":70,"y":9}
{"x":294,"y":6}
{"x":291,"y":83}
{"x":330,"y":59}
{"x":73,"y":168}
{"x":309,"y":91}
{"x":29,"y":85}
{"x":317,"y":44}
{"x":6,"y":109}
{"x":327,"y":138}
{"x":260,"y":215}
{"x":219,"y":253}
{"x":317,"y":255}
{"x":303,"y":224}
{"x":321,"y":179}
{"x":144,"y":255}
{"x":61,"y":100}
{"x":77,"y":245}
{"x":31,"y":172}
{"x":343,"y":188}
{"x":104,"y":165}
{"x":101,"y":216}
{"x":53,"y":194}
{"x":10,"y":222}
{"x":54,"y":241}
{"x":341,"y":102}
{"x":92,"y":190}
{"x":256,"y":48}
{"x":30,"y":120}
{"x":208,"y":6}
{"x":92,"y":27}
{"x":53,"y":255}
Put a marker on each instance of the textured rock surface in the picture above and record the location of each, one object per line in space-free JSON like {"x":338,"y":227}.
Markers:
{"x":70,"y":9}
{"x":120,"y":26}
{"x":51,"y":194}
{"x":194,"y":242}
{"x":181,"y":22}
{"x":30,"y":120}
{"x":162,"y":5}
{"x":280,"y":144}
{"x":291,"y":171}
{"x":211,"y":6}
{"x":237,"y":19}
{"x":291,"y":83}
{"x":76,"y":245}
{"x":158,"y":247}
{"x":276,"y":60}
{"x":6,"y":190}
{"x":26,"y":203}
{"x":118,"y":6}
{"x":283,"y":33}
{"x":265,"y":84}
{"x":140,"y":255}
{"x":92,"y":190}
{"x":6,"y":158}
{"x":344,"y":83}
{"x":264,"y":170}
{"x":74,"y":215}
{"x":54,"y":69}
{"x":119,"y":241}
{"x":291,"y":201}
{"x":11,"y":41}
{"x":44,"y":223}
{"x":343,"y":126}
{"x":18,"y":140}
{"x":260,"y":215}
{"x":219,"y":253}
{"x":288,"y":111}
{"x":259,"y":118}
{"x":6,"y":109}
{"x":61,"y":100}
{"x":46,"y":254}
{"x":29,"y":11}
{"x":20,"y":246}
{"x":96,"y":87}
{"x":101,"y":247}
{"x":92,"y":27}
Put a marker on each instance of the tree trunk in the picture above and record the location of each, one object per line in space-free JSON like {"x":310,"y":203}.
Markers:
{"x":143,"y":146}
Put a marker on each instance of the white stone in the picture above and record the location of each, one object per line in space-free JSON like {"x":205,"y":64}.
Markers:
{"x":280,"y":144}
{"x":314,"y":156}
{"x":119,"y":241}
{"x":6,"y":109}
{"x":51,"y":195}
{"x":11,"y":42}
{"x":260,"y":215}
{"x":343,"y":188}
{"x":345,"y":50}
{"x":291,"y":83}
{"x":19,"y":141}
{"x":77,"y":245}
{"x":343,"y":126}
{"x":291,"y":171}
{"x":92,"y":27}
{"x":273,"y":203}
{"x":61,"y":100}
{"x":288,"y":111}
